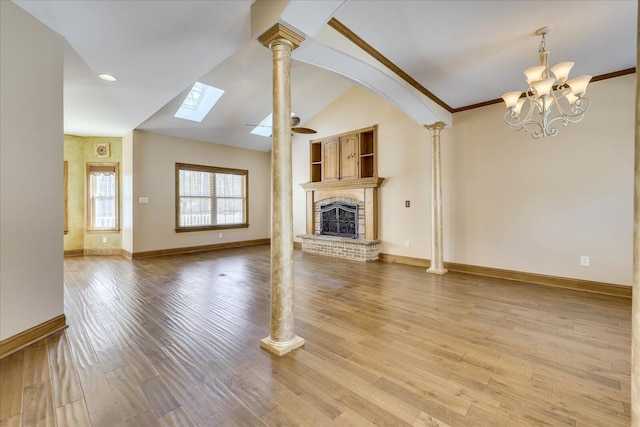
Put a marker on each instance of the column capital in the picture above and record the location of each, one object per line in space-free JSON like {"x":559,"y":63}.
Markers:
{"x":436,"y":126}
{"x":279,"y":31}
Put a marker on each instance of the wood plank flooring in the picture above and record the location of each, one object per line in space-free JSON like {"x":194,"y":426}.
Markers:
{"x":174,"y":341}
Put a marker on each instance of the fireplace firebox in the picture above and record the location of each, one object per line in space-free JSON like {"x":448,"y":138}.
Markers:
{"x":339,"y":219}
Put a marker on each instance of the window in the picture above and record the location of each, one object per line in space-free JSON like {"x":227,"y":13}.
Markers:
{"x":102,"y":197}
{"x":209,"y":198}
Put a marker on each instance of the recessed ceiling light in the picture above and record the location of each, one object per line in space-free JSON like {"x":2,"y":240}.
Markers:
{"x":108,"y":77}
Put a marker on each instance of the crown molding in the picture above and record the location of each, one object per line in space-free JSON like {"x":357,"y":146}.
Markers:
{"x":354,"y":38}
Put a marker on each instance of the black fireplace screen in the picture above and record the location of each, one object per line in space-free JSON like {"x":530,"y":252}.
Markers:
{"x":339,"y":219}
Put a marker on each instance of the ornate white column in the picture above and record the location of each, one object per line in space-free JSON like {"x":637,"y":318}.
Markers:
{"x":282,"y":338}
{"x":635,"y":309}
{"x":436,"y":266}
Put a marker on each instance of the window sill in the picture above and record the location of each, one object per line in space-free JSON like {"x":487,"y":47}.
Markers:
{"x":211,"y":227}
{"x":102,"y":231}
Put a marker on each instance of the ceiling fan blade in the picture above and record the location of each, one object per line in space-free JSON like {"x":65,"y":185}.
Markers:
{"x":294,"y":122}
{"x":303,"y":130}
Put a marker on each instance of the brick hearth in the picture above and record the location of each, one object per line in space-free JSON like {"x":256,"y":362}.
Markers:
{"x":364,"y":193}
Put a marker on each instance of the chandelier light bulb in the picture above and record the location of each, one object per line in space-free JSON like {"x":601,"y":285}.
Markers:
{"x":518,"y":107}
{"x":561,"y":71}
{"x":571,"y":98}
{"x":511,"y":98}
{"x":534,"y":73}
{"x":542,"y":88}
{"x":579,"y":84}
{"x":540,"y":109}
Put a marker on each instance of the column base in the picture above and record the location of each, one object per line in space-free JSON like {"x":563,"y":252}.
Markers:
{"x":281,"y":348}
{"x":437,"y":270}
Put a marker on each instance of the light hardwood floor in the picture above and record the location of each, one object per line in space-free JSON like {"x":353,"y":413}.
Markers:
{"x":174,"y":341}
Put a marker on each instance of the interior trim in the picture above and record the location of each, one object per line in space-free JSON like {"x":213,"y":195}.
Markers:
{"x":614,"y":74}
{"x":594,"y":79}
{"x":191,"y":249}
{"x":398,"y":259}
{"x":74,"y":252}
{"x":103,"y":252}
{"x":345,"y":184}
{"x":519,"y":276}
{"x":82,"y":252}
{"x":354,"y":38}
{"x":39,"y":332}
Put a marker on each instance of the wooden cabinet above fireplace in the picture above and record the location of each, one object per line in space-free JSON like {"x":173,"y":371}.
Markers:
{"x":348,"y":156}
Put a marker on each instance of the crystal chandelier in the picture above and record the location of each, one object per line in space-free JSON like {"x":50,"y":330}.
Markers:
{"x":548,"y":100}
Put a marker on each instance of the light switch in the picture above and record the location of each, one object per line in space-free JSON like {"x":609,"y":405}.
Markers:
{"x":143,"y":200}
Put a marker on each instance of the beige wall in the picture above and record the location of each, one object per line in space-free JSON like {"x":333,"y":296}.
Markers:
{"x":153,"y":167}
{"x":530,"y":205}
{"x":78,"y":151}
{"x":404,"y":159}
{"x":31,"y":172}
{"x":510,"y":202}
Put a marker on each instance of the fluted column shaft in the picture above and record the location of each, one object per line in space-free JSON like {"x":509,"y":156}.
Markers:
{"x":436,"y":266}
{"x":282,"y":337}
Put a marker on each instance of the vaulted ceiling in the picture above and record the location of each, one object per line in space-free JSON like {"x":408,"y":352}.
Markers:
{"x":461,"y":52}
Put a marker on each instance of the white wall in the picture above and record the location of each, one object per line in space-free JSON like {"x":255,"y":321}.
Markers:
{"x":31,"y":172}
{"x":510,"y":202}
{"x":154,"y":159}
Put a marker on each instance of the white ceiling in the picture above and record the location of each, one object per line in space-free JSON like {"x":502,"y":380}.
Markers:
{"x":464,"y":52}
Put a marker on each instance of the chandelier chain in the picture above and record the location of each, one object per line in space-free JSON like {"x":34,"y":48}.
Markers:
{"x":542,"y":47}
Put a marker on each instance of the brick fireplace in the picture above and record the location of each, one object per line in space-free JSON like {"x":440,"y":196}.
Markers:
{"x":342,"y":219}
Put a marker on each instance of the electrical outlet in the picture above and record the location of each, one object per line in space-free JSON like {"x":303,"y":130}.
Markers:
{"x":104,"y":240}
{"x":406,"y":244}
{"x":584,"y":261}
{"x":219,"y":235}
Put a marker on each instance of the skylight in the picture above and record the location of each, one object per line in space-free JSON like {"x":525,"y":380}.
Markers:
{"x":264,"y":127}
{"x":199,"y":101}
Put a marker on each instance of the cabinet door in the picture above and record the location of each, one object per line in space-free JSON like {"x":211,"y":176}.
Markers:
{"x":330,"y":160}
{"x":349,"y":156}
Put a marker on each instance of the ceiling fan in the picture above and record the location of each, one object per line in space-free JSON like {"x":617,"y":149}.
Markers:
{"x":295,"y":121}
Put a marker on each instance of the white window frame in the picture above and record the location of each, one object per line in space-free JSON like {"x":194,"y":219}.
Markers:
{"x":94,"y":168}
{"x":213,"y":170}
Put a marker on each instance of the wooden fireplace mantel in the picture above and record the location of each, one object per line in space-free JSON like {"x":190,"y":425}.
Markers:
{"x":349,"y":184}
{"x":363,"y":189}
